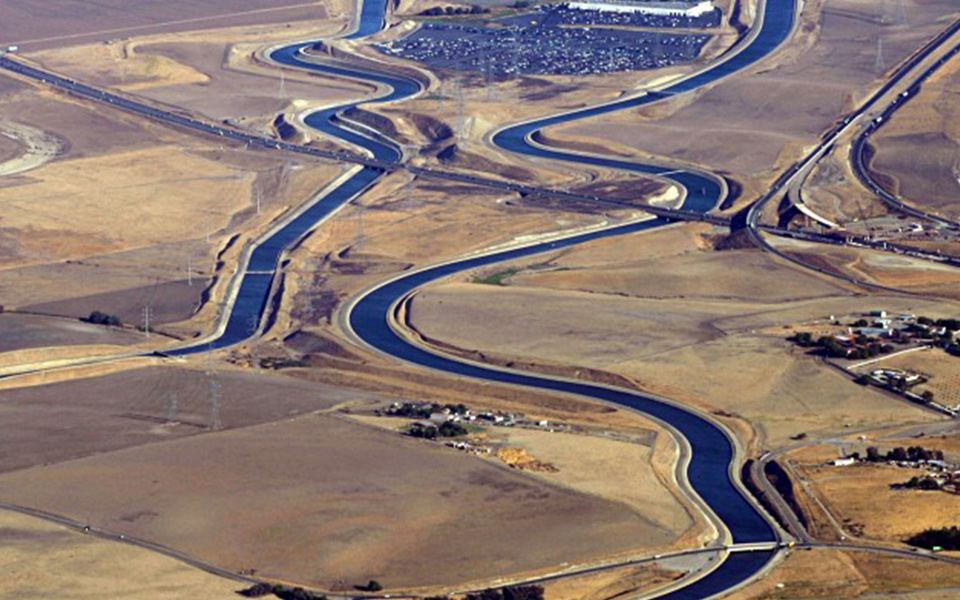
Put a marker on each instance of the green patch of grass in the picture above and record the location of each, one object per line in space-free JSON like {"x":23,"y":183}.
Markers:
{"x":496,"y":278}
{"x":500,"y":277}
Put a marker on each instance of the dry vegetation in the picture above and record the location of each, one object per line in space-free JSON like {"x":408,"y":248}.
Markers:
{"x":41,"y":560}
{"x":833,"y":574}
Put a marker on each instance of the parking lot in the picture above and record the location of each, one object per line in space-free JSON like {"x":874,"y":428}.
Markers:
{"x":538,"y":49}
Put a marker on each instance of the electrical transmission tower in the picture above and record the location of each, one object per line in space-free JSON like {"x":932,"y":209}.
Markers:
{"x":880,"y":65}
{"x":171,"y":407}
{"x":147,"y":312}
{"x":215,"y":423}
{"x":901,"y":16}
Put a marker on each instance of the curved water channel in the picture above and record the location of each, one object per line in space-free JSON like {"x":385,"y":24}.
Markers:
{"x":712,"y":452}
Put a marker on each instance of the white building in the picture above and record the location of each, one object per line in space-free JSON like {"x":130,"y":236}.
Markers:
{"x":666,"y":9}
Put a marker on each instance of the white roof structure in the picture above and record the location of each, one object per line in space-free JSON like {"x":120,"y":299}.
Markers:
{"x":668,"y":9}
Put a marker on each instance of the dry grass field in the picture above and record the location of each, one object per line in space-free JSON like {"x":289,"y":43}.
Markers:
{"x":40,"y":560}
{"x":66,"y":23}
{"x":832,"y":574}
{"x":861,"y":498}
{"x":317,"y":500}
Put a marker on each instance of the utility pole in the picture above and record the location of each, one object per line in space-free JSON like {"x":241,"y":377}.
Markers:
{"x":146,"y":319}
{"x":215,"y":423}
{"x":880,"y":65}
{"x":171,"y":407}
{"x":259,"y":194}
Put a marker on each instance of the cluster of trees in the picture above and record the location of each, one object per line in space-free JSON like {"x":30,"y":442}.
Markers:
{"x":947,"y":538}
{"x":445,"y":430}
{"x":922,"y":482}
{"x":411,"y":410}
{"x":516,"y":592}
{"x":900,"y":454}
{"x":868,"y":348}
{"x":280,"y":591}
{"x":437,"y":11}
{"x":101,"y":318}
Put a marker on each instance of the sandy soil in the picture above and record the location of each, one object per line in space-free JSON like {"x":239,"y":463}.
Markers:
{"x":41,"y":560}
{"x":61,"y":422}
{"x":665,"y":342}
{"x":833,"y":574}
{"x":35,"y":147}
{"x":771,"y":113}
{"x":259,"y":497}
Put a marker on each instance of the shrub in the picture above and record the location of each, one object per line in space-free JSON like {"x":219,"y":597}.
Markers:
{"x":100,"y":318}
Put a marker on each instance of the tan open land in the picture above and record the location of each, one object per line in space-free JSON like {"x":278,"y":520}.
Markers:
{"x":663,"y":336}
{"x":861,"y":498}
{"x":316,"y":500}
{"x":42,"y":560}
{"x":835,"y":574}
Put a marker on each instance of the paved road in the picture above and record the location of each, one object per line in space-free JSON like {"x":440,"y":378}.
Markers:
{"x":801,"y":169}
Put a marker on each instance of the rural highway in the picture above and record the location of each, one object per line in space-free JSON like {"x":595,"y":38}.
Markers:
{"x":907,"y":73}
{"x":709,"y":466}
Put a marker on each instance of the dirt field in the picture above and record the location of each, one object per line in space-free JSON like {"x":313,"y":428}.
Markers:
{"x":832,"y":574}
{"x":316,"y":499}
{"x":41,"y":560}
{"x":64,"y":23}
{"x":65,"y":421}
